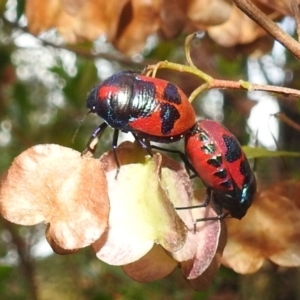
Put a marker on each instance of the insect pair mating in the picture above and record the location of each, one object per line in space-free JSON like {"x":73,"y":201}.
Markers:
{"x":156,"y":110}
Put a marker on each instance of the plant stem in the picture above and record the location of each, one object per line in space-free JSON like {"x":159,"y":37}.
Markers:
{"x":211,"y":83}
{"x":268,"y":25}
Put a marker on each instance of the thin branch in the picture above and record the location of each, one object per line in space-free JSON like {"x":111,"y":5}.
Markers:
{"x":241,"y":84}
{"x":282,"y":117}
{"x":26,"y":261}
{"x":296,"y":14}
{"x":77,"y":50}
{"x":212,"y":83}
{"x":267,"y":24}
{"x":87,"y":54}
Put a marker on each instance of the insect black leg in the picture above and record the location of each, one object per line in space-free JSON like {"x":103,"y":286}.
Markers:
{"x":114,"y":146}
{"x":182,"y":156}
{"x":145,"y":143}
{"x":220,"y":214}
{"x":209,"y":194}
{"x":216,"y":218}
{"x":206,"y":201}
{"x":93,"y":140}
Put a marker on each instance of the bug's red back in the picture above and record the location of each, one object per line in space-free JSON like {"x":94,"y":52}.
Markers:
{"x":220,"y":162}
{"x":216,"y":155}
{"x":173,"y":115}
{"x":149,"y":107}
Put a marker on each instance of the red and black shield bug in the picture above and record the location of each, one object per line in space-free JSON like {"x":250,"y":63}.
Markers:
{"x":151,"y":109}
{"x":220,"y":162}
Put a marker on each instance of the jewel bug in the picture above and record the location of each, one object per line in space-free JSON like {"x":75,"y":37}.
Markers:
{"x":218,"y":159}
{"x":151,"y":109}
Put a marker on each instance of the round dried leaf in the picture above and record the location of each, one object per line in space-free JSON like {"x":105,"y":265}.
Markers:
{"x":141,"y":210}
{"x":204,"y":239}
{"x":156,"y":264}
{"x":270,"y":230}
{"x":55,"y":185}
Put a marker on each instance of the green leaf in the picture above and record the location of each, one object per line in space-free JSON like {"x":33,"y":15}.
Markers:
{"x":252,"y":153}
{"x":4,"y":272}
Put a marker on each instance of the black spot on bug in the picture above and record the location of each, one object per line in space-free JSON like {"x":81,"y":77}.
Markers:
{"x":203,"y":137}
{"x":221,"y":173}
{"x":245,"y":170}
{"x":234,"y":151}
{"x":208,"y":148}
{"x":171,"y":94}
{"x":216,"y":161}
{"x":169,"y":115}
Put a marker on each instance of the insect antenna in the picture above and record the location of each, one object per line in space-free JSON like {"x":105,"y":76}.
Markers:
{"x":78,"y":127}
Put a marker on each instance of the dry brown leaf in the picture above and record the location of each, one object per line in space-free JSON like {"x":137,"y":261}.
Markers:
{"x":204,"y":281}
{"x":172,"y":23}
{"x":155,"y":265}
{"x":75,"y":20}
{"x":128,"y":23}
{"x":270,"y":230}
{"x":55,"y":185}
{"x":211,"y":240}
{"x":137,"y":23}
{"x":42,"y":15}
{"x":238,"y":29}
{"x":204,"y":13}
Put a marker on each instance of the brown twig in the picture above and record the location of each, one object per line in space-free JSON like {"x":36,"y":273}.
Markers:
{"x":282,"y":117}
{"x":228,"y":84}
{"x":296,"y":14}
{"x":212,"y":83}
{"x":267,"y":24}
{"x":116,"y":57}
{"x":26,"y":261}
